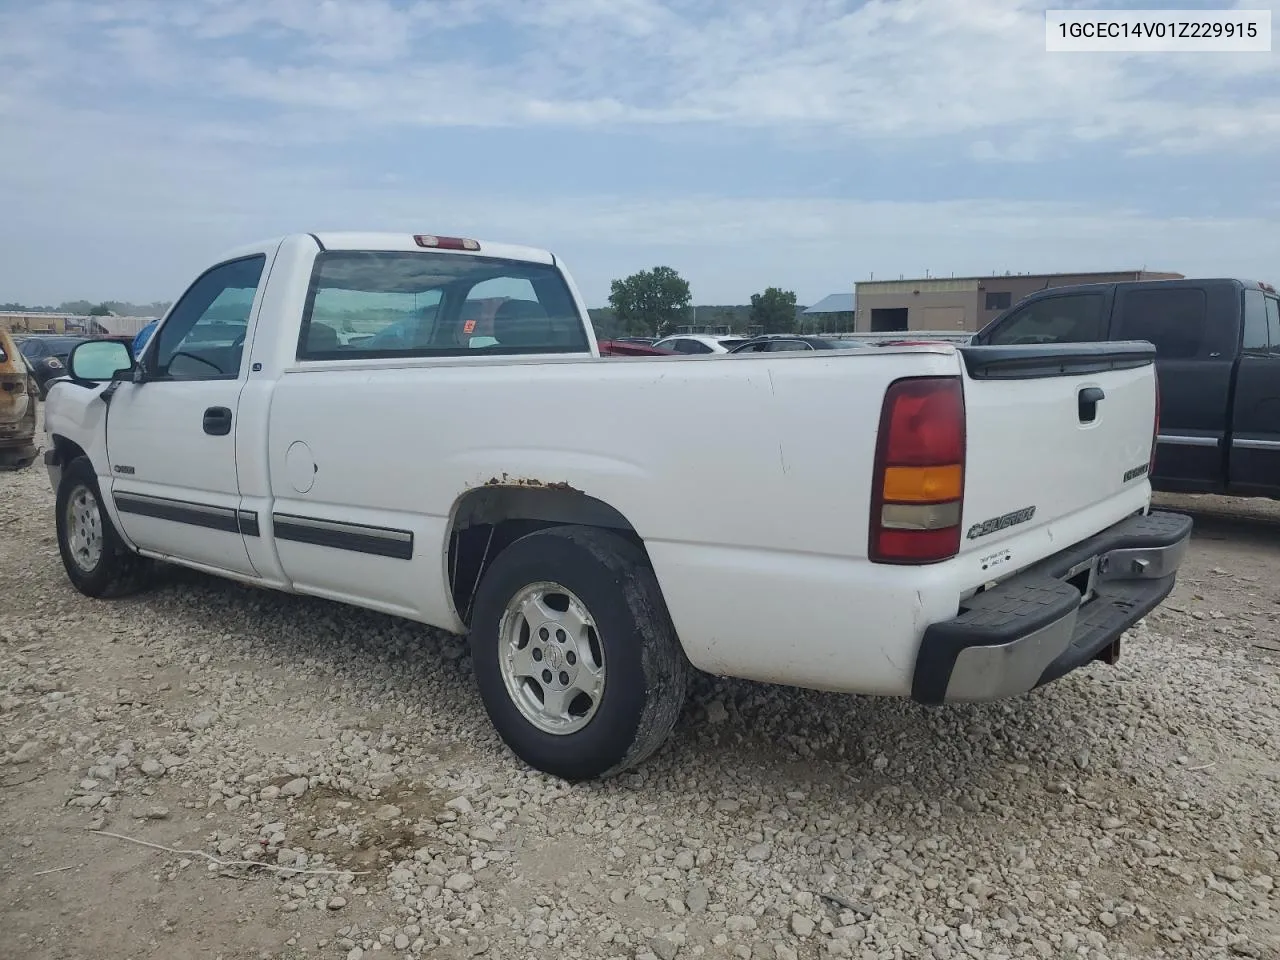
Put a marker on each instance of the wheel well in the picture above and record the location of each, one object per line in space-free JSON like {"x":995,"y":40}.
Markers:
{"x":489,"y":519}
{"x":67,"y":450}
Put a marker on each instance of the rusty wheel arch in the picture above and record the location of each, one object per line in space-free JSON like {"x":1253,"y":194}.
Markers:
{"x":487,"y":519}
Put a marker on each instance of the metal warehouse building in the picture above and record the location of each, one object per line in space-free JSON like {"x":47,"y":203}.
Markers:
{"x":962,"y":303}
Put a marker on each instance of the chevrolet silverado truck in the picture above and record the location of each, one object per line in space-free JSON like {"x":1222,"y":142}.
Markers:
{"x":925,"y":521}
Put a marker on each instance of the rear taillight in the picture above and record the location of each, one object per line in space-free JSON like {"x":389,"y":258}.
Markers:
{"x":918,"y":484}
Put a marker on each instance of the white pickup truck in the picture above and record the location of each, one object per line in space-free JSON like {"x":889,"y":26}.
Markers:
{"x":424,"y":426}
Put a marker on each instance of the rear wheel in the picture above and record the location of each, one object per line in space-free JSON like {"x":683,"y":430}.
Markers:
{"x":575,"y":655}
{"x":95,"y":558}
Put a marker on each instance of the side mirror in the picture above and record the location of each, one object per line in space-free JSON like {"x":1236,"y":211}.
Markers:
{"x":97,"y":360}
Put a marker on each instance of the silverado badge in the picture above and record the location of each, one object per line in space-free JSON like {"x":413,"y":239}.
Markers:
{"x":1136,"y":472}
{"x":1001,"y":523}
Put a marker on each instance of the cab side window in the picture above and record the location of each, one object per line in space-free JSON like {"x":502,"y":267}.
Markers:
{"x":686,"y":345}
{"x":1255,"y":324}
{"x":203,"y":336}
{"x":1071,"y":318}
{"x":1174,"y":319}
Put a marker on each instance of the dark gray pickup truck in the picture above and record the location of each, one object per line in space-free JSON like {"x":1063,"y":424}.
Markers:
{"x":1217,"y":359}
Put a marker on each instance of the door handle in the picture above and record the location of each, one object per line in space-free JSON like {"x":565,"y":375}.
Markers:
{"x":217,"y":421}
{"x":1087,"y":400}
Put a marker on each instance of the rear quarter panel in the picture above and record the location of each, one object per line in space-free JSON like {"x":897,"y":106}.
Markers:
{"x":748,"y":478}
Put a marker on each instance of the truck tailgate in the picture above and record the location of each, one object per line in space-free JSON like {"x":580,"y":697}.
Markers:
{"x":1052,"y":431}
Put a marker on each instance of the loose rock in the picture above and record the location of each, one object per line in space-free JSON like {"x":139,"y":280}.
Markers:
{"x":460,"y":882}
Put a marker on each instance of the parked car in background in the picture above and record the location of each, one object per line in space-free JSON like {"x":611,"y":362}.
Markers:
{"x":785,"y":342}
{"x":630,"y":348}
{"x":1218,"y":362}
{"x":17,"y":406}
{"x":901,"y":338}
{"x":47,"y":354}
{"x":694,"y":343}
{"x":981,"y":527}
{"x":142,"y":336}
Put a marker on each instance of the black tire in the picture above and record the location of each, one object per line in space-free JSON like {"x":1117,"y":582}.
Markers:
{"x":646,"y":672}
{"x":118,"y":570}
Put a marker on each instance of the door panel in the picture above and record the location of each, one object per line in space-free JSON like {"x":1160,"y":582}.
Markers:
{"x":179,"y":497}
{"x":1195,"y":360}
{"x":171,"y":439}
{"x":1255,"y":435}
{"x":1194,"y":396}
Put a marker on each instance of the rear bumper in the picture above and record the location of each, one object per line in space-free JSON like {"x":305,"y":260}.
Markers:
{"x":1062,"y":613}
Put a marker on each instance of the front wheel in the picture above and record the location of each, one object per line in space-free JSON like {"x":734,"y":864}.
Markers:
{"x":574,"y":652}
{"x":95,"y":558}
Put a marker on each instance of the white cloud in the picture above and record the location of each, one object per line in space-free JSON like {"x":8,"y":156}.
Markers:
{"x":138,"y":226}
{"x":888,"y":69}
{"x":173,"y":129}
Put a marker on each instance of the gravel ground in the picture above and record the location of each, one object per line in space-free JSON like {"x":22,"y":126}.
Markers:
{"x":1129,"y":811}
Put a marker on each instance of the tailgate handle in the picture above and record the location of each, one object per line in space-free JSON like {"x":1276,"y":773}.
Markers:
{"x":1088,"y":402}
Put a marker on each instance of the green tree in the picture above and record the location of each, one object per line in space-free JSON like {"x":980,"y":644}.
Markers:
{"x":101,"y":310}
{"x":774,"y":311}
{"x":651,"y":301}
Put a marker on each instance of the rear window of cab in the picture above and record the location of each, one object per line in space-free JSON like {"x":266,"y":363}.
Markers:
{"x":381,"y":304}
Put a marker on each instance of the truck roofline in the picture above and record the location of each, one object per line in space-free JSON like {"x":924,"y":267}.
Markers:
{"x":356,"y":240}
{"x":375,"y":240}
{"x":1164,"y":281}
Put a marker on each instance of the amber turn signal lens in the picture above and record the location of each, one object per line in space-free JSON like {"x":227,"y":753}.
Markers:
{"x":923,"y":484}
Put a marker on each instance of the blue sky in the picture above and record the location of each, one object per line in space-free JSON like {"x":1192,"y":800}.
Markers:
{"x":800,"y":143}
